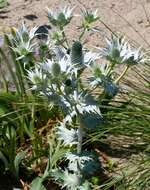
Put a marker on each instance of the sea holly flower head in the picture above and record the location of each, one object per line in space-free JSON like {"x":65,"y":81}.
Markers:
{"x":101,"y":77}
{"x":80,"y":59}
{"x":36,"y":76}
{"x":23,"y":49}
{"x":23,"y":34}
{"x":132,"y":56}
{"x":60,"y":18}
{"x":21,"y":40}
{"x":112,"y":52}
{"x":99,"y":73}
{"x":89,"y":16}
{"x":119,"y":51}
{"x":56,"y":67}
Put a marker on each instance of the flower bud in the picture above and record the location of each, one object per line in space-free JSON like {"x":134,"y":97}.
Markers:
{"x":56,"y":69}
{"x":76,"y":53}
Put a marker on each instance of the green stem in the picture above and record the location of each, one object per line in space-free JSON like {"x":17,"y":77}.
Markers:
{"x":122,"y":74}
{"x":9,"y":66}
{"x":112,"y":64}
{"x":80,"y":139}
{"x":82,"y":34}
{"x":17,"y":65}
{"x":5,"y":83}
{"x":65,"y":38}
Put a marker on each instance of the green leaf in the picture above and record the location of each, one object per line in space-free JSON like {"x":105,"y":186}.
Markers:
{"x":3,"y":158}
{"x":37,"y":184}
{"x":17,"y":161}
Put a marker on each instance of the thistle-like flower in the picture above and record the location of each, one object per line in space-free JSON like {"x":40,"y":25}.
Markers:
{"x":36,"y":76}
{"x":55,"y":68}
{"x":101,"y":76}
{"x":132,"y":56}
{"x":21,"y":40}
{"x":89,"y":16}
{"x":60,"y":18}
{"x":22,"y":34}
{"x":119,"y":51}
{"x":99,"y":73}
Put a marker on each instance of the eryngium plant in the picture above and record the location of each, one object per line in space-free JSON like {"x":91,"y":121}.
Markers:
{"x":59,"y":79}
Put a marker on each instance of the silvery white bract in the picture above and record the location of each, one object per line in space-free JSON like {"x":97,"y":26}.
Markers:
{"x":81,"y":103}
{"x":68,"y":136}
{"x":60,"y":18}
{"x":90,"y":57}
{"x":22,"y":42}
{"x":101,"y":76}
{"x":85,"y":186}
{"x":60,"y":53}
{"x":67,"y":180}
{"x":54,"y":98}
{"x":55,"y":68}
{"x":112,"y":51}
{"x":23,"y":49}
{"x":67,"y":11}
{"x":22,"y":34}
{"x":132,"y":56}
{"x":36,"y":76}
{"x":71,"y":181}
{"x":77,"y":162}
{"x":99,"y":73}
{"x":119,"y":51}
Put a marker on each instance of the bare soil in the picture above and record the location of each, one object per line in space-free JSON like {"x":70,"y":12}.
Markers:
{"x":129,"y":17}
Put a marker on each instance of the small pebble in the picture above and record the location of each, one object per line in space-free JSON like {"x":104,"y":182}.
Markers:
{"x":140,"y":21}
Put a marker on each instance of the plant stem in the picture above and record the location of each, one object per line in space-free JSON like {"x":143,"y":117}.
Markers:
{"x":122,"y":74}
{"x":80,"y":138}
{"x":112,"y":64}
{"x":10,"y":70}
{"x":65,"y":38}
{"x":82,"y":34}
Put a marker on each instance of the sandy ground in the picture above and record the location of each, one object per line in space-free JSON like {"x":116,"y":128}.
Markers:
{"x":129,"y":17}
